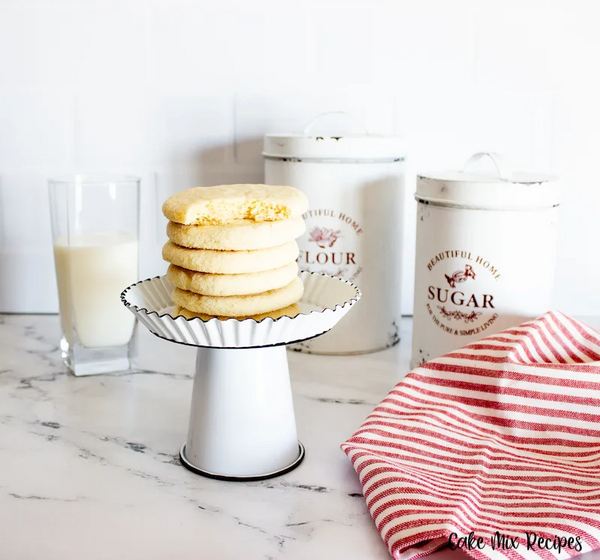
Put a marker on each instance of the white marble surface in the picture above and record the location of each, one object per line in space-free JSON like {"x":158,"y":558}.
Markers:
{"x":89,"y":467}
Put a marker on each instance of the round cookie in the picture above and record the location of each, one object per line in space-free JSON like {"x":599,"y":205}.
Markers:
{"x":232,"y":284}
{"x":225,"y":204}
{"x":289,"y":311}
{"x":240,"y":306}
{"x":230,"y":262}
{"x":243,"y":235}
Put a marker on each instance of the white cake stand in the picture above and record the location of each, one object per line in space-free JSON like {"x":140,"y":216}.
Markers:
{"x":242,"y":424}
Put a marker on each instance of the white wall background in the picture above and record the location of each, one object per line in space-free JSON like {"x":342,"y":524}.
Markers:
{"x":181,"y":92}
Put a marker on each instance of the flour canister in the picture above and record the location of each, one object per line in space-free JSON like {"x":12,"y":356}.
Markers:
{"x":485,"y":254}
{"x":354,"y":184}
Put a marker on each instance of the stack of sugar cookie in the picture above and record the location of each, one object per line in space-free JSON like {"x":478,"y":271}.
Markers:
{"x":233,"y":252}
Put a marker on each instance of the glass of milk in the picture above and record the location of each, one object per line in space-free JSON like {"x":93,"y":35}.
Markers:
{"x":95,"y":229}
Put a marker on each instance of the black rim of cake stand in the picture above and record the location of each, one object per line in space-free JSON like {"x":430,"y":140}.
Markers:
{"x":186,"y":463}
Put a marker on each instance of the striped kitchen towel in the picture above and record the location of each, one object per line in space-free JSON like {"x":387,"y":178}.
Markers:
{"x":493,"y":449}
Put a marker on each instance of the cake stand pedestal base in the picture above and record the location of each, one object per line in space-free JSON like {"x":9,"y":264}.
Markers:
{"x":242,"y":423}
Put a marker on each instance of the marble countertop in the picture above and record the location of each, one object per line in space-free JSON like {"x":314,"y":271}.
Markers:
{"x":90,"y":468}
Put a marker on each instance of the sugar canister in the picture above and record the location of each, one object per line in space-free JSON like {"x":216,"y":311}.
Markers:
{"x":354,"y":184}
{"x":485,"y":254}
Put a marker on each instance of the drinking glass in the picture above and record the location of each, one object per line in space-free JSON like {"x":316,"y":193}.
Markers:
{"x":95,"y":231}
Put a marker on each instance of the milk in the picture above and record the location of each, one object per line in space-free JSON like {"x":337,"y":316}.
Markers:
{"x":92,"y":270}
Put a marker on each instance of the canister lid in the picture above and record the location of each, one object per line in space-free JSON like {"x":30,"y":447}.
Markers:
{"x":334,"y":145}
{"x":497,"y":189}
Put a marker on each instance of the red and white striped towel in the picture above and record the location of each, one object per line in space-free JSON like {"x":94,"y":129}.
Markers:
{"x":502,"y":435}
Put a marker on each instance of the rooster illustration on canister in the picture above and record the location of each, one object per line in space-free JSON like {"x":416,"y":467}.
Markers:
{"x":460,"y":276}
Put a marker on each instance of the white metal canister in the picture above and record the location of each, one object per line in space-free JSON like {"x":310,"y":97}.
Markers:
{"x":485,"y":254}
{"x":354,"y":184}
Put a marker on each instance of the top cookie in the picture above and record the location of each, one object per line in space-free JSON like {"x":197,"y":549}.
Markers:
{"x":226,"y":204}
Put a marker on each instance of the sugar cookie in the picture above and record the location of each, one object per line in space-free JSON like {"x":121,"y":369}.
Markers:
{"x":232,"y":284}
{"x":240,"y":306}
{"x":289,"y":311}
{"x":230,"y":262}
{"x":243,"y":235}
{"x":224,"y":204}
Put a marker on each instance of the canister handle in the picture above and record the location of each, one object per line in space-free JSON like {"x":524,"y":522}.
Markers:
{"x":350,"y":116}
{"x":504,"y":172}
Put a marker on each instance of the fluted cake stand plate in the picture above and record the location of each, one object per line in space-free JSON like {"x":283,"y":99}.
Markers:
{"x":242,"y":424}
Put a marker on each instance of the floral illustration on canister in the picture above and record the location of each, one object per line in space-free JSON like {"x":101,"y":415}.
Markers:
{"x":459,"y":315}
{"x":324,"y":237}
{"x":339,"y":273}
